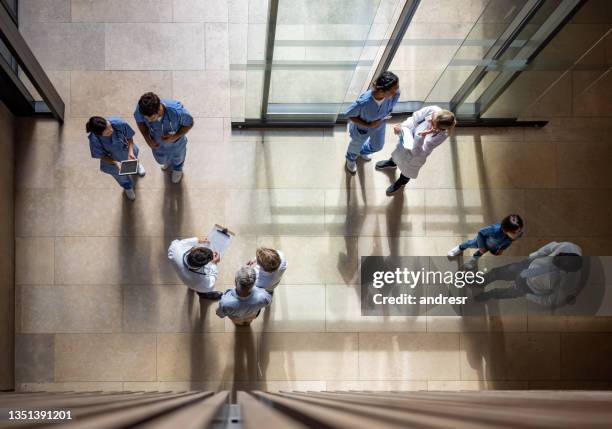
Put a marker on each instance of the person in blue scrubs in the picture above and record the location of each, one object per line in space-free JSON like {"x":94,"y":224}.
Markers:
{"x":368,"y":116}
{"x":163,"y":124}
{"x":112,"y":141}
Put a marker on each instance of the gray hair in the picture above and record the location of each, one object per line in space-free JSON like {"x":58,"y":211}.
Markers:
{"x":245,"y":278}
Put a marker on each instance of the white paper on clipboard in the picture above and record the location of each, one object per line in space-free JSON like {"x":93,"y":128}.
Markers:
{"x":220,"y":238}
{"x":408,"y":143}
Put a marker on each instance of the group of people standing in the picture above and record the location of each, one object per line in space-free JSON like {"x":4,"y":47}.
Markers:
{"x":418,"y":136}
{"x":164,"y":124}
{"x":548,"y":276}
{"x":196,"y":264}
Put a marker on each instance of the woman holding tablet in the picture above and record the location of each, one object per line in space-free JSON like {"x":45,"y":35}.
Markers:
{"x":111,"y":141}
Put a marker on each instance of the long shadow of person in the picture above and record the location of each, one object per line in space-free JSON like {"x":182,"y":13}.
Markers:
{"x":353,"y":223}
{"x":394,"y":212}
{"x":175,"y":215}
{"x":140,"y":301}
{"x":245,"y":361}
{"x":264,"y":348}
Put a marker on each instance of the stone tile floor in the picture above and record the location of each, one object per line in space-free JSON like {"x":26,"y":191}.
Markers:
{"x":99,"y":307}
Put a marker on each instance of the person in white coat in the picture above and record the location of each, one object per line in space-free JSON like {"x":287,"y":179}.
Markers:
{"x":269,"y":266}
{"x":419,"y":135}
{"x":196,"y":265}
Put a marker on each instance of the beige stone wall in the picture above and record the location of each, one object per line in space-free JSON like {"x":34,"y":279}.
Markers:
{"x":7,"y":249}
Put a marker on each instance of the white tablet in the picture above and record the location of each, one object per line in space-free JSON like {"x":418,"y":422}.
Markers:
{"x":128,"y":167}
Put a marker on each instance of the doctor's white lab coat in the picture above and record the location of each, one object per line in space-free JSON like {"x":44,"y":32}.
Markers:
{"x":412,"y":149}
{"x":202,"y":281}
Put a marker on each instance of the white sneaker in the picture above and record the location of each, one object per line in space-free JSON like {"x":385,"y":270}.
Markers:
{"x":454,"y":252}
{"x":165,"y":166}
{"x":130,"y":194}
{"x":141,"y":170}
{"x":351,"y":166}
{"x":366,"y":157}
{"x":176,"y":176}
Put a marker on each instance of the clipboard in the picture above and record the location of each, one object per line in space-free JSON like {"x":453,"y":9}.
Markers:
{"x":407,"y":144}
{"x":220,"y":238}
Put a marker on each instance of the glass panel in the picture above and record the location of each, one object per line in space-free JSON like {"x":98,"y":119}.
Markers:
{"x":323,"y":52}
{"x":560,"y":78}
{"x":486,"y":37}
{"x":438,"y":30}
{"x":247,"y":41}
{"x":319,"y":46}
{"x":11,"y":5}
{"x":5,"y":54}
{"x":462,"y":55}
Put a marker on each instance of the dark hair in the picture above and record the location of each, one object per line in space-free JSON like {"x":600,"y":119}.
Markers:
{"x":512,"y":223}
{"x":96,"y":125}
{"x":385,"y":81}
{"x":199,"y":256}
{"x":148,"y":104}
{"x":569,"y":262}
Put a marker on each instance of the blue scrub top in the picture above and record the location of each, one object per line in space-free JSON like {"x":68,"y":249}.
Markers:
{"x":494,"y":239}
{"x":366,"y":108}
{"x":175,"y":117}
{"x":115,"y":145}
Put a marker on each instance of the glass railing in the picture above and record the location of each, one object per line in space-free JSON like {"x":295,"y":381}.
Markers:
{"x":11,"y":7}
{"x":320,"y":55}
{"x":25,"y":87}
{"x":481,"y":59}
{"x":562,"y":77}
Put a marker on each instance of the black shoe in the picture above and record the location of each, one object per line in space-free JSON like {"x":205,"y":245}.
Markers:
{"x":386,"y":164}
{"x":215,"y":296}
{"x":394,"y":188}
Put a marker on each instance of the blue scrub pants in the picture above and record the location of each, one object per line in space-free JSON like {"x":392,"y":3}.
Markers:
{"x":172,"y":153}
{"x":126,"y":182}
{"x":471,"y":244}
{"x":364,"y":141}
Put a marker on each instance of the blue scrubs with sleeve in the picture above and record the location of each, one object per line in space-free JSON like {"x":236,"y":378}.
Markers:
{"x":116,"y":147}
{"x":365,"y":141}
{"x":491,"y":238}
{"x":175,"y":117}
